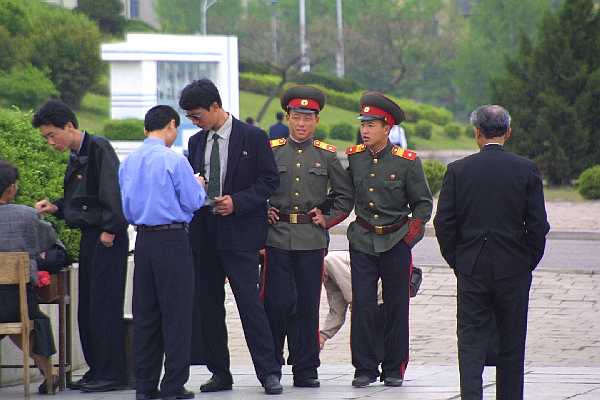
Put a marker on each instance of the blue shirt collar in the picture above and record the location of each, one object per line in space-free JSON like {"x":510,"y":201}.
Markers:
{"x":154,"y":141}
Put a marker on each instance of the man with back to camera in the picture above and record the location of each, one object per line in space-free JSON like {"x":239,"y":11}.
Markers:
{"x":160,"y":195}
{"x":390,"y":186}
{"x":228,"y":232}
{"x":297,"y":241}
{"x":279,"y":130}
{"x":92,"y":203}
{"x":491,"y":226}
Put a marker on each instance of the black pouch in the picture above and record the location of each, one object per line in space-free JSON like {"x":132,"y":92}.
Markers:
{"x":415,"y":281}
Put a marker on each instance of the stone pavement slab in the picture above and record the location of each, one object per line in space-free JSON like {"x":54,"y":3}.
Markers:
{"x":422,"y":383}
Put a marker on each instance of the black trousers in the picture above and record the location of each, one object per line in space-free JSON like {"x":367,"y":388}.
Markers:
{"x":102,"y":274}
{"x":292,"y":293}
{"x":393,"y":267}
{"x":480,"y":299}
{"x":163,"y":286}
{"x":210,"y":330}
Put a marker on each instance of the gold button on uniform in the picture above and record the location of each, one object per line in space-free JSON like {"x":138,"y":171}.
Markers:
{"x":298,"y":165}
{"x":375,"y":160}
{"x":371,"y":190}
{"x":376,"y":216}
{"x":296,"y":208}
{"x":299,"y":151}
{"x":371,"y":204}
{"x":297,"y":179}
{"x":296,"y":194}
{"x":372,"y":175}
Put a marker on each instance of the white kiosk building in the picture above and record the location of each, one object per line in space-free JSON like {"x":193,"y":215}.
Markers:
{"x":151,"y":69}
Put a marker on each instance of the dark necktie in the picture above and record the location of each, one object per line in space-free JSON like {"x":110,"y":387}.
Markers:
{"x":214,"y":180}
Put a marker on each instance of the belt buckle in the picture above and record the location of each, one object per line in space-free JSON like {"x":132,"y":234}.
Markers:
{"x":379,"y":230}
{"x":293,"y":218}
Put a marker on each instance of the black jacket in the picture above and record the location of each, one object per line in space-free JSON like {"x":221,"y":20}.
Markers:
{"x":492,"y":198}
{"x":250,"y":179}
{"x":92,"y":196}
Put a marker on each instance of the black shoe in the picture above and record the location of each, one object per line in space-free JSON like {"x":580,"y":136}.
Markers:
{"x":101,"y":385}
{"x":272,"y":385}
{"x":151,"y":395}
{"x":43,"y":388}
{"x":389,"y":381}
{"x":216,"y":384}
{"x":307,"y":383}
{"x":362,"y":381}
{"x":79,"y":383}
{"x":180,"y":394}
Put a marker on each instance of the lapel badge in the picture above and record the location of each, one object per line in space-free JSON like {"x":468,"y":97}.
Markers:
{"x":318,"y":164}
{"x":244,"y":153}
{"x":79,"y":176}
{"x":392,"y":177}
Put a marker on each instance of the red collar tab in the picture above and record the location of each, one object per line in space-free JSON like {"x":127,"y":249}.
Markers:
{"x":378,"y":112}
{"x":309,"y":104}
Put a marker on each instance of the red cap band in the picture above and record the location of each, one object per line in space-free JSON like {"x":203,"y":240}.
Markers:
{"x":378,"y":112}
{"x":304,"y":103}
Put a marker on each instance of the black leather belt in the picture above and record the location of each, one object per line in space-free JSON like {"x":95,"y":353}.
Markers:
{"x":380,"y":229}
{"x":296,"y":218}
{"x":165,"y":227}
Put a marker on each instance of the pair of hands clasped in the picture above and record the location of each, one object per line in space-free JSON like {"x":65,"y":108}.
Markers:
{"x":45,"y":207}
{"x":223,"y":205}
{"x":317,"y":216}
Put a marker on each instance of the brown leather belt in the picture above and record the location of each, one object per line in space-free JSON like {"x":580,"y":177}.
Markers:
{"x":380,"y":229}
{"x":295,"y":218}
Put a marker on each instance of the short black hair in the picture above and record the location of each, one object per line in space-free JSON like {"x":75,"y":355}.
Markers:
{"x":492,"y":120}
{"x":56,"y":113}
{"x":250,"y":120}
{"x":159,"y":117}
{"x":279,"y":115}
{"x":8,"y":175}
{"x":201,"y":93}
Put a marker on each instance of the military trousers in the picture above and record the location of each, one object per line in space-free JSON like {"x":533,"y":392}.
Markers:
{"x":485,"y":304}
{"x":393,"y":267}
{"x":163,"y":285}
{"x":292,"y":293}
{"x":102,"y":274}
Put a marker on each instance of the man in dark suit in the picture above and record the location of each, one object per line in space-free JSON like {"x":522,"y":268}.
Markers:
{"x":279,"y":130}
{"x":228,"y":231}
{"x":491,"y":227}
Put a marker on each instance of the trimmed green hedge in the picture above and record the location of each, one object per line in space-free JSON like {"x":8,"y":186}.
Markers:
{"x":434,"y":171}
{"x":342,"y":131}
{"x":452,"y":130}
{"x":41,"y":168}
{"x":423,"y":129}
{"x":124,"y":129}
{"x":264,"y":84}
{"x":588,"y":183}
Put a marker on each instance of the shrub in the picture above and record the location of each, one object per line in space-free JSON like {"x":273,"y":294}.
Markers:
{"x":423,"y":129}
{"x":434,"y":171}
{"x":26,"y":88}
{"x":258,"y":83}
{"x":468,"y":131}
{"x":107,"y":14}
{"x":342,"y":131}
{"x":320,"y":134}
{"x":588,"y":183}
{"x":124,"y":129}
{"x":332,"y":82}
{"x":452,"y":130}
{"x":41,"y":168}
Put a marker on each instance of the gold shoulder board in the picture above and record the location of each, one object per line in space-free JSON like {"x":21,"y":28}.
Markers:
{"x":278,"y":142}
{"x":356,"y":149}
{"x":325,"y":146}
{"x":400,"y":152}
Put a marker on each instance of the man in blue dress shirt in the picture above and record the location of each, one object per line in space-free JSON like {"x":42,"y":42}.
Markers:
{"x":160,"y":194}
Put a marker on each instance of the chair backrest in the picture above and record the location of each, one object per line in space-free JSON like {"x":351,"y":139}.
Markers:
{"x":14,"y":269}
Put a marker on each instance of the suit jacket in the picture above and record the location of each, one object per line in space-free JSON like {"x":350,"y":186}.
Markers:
{"x":495,"y":199}
{"x":92,"y":196}
{"x":250,"y":179}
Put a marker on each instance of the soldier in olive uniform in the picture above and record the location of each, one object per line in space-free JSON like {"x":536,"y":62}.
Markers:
{"x":296,"y":241}
{"x":393,"y":203}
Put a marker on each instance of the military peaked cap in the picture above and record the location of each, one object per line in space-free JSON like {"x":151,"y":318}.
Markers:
{"x":375,"y":105}
{"x":303,"y":99}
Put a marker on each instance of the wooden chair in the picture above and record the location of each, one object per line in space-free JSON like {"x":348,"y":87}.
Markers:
{"x":14,"y":269}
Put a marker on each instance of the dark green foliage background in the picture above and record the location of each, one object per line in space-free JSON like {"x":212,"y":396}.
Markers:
{"x":41,"y":168}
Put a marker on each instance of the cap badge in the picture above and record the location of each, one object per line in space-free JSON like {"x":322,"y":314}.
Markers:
{"x":367,"y":109}
{"x":303,"y":102}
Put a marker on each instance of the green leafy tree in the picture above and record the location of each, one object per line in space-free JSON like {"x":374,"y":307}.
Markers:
{"x":490,"y":34}
{"x":107,"y":13}
{"x":552,"y":90}
{"x":26,"y":88}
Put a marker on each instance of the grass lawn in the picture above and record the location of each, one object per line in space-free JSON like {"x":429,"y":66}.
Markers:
{"x":95,"y":113}
{"x":562,"y":193}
